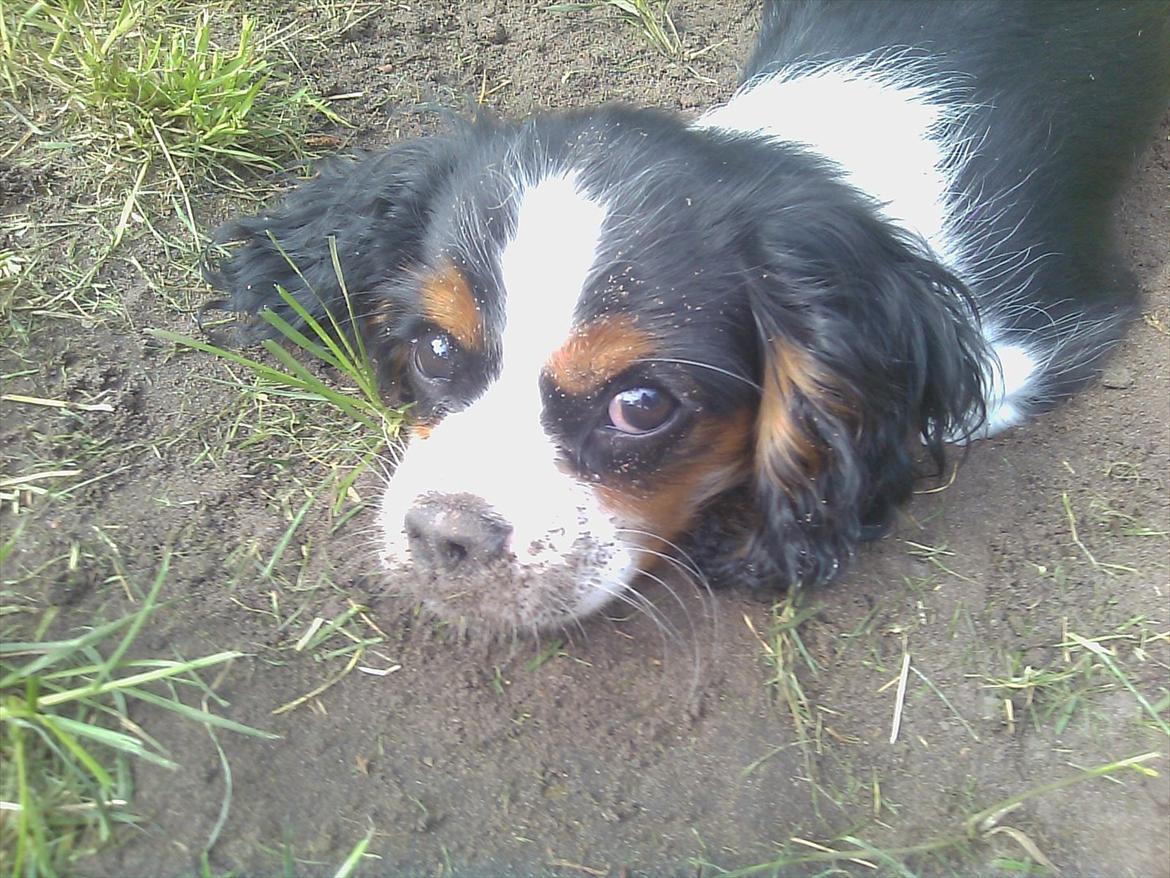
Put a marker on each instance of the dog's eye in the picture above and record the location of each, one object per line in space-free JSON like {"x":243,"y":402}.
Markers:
{"x":435,"y":354}
{"x":641,"y":410}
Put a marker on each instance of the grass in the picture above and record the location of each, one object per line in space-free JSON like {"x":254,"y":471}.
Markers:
{"x":148,"y":82}
{"x":134,"y":107}
{"x":784,"y":652}
{"x":291,"y":866}
{"x":787,"y":659}
{"x":143,"y":109}
{"x":366,"y":424}
{"x":1085,"y":669}
{"x":651,"y":17}
{"x":981,"y":826}
{"x":328,"y":343}
{"x":67,"y":732}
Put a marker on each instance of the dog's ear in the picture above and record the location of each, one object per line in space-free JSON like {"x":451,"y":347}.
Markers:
{"x":868,"y":354}
{"x":375,"y":208}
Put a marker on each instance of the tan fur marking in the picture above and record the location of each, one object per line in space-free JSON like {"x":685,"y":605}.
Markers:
{"x":796,"y":366}
{"x":791,"y":372}
{"x":596,"y":353}
{"x":777,"y":430}
{"x":449,"y":304}
{"x":378,"y":318}
{"x":713,"y":459}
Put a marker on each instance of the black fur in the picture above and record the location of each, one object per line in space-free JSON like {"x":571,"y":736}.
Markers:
{"x":1061,"y":97}
{"x":763,"y":241}
{"x":374,"y":207}
{"x":890,"y":335}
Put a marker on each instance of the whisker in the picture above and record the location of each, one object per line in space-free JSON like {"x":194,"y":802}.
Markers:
{"x":692,"y":564}
{"x":702,"y":365}
{"x":696,"y":656}
{"x":640,"y":604}
{"x":688,"y":566}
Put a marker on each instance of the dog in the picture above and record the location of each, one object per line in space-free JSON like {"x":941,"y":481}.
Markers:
{"x":628,"y":336}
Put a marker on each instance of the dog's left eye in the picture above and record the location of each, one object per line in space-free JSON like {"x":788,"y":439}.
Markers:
{"x":435,"y":354}
{"x":641,"y":410}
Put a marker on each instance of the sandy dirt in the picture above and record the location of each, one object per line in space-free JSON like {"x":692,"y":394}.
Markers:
{"x":616,"y":750}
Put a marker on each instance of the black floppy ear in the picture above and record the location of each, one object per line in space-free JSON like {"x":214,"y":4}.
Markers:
{"x":375,"y":207}
{"x":869,"y":351}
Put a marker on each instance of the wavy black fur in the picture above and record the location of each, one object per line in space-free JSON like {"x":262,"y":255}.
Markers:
{"x":375,"y":207}
{"x":789,"y":257}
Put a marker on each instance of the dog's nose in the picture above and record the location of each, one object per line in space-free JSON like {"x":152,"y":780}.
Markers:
{"x":449,"y":532}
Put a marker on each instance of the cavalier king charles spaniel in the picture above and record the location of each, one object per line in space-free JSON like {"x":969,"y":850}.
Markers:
{"x":628,"y":335}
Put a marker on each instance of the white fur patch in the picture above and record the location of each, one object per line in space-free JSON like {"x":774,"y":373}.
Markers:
{"x":897,"y":133}
{"x":1007,"y":387}
{"x":882,"y":125}
{"x":544,"y":268}
{"x":497,"y":449}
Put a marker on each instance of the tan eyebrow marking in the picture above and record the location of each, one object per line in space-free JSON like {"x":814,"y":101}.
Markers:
{"x":449,"y":304}
{"x":597,"y":352}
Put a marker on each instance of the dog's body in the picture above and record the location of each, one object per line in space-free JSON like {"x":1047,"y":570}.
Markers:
{"x":894,"y":235}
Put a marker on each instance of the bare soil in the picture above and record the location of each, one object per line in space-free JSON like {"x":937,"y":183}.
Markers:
{"x":623,"y":751}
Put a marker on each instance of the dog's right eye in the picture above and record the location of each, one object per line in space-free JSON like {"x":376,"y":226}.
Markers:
{"x":435,"y":355}
{"x":639,"y":411}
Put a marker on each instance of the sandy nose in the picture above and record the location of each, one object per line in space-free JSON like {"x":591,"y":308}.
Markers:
{"x":455,"y":532}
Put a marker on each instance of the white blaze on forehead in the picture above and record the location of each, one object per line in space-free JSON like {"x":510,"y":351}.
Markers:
{"x":544,"y":268}
{"x":497,"y":449}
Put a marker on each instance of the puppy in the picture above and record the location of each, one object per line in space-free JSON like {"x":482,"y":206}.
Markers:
{"x":622,"y":330}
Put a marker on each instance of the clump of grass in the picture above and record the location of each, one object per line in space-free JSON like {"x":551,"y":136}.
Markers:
{"x":331,"y":344}
{"x":64,"y":769}
{"x":140,"y":101}
{"x":1088,"y":666}
{"x":146,"y":81}
{"x":651,"y":17}
{"x":783,"y":651}
{"x":980,"y":827}
{"x":1043,"y":694}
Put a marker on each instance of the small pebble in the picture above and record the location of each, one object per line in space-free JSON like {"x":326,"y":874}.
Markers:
{"x":499,"y":36}
{"x":1117,"y":378}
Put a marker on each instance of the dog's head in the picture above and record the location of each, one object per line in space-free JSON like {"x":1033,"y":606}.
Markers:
{"x":605,"y":321}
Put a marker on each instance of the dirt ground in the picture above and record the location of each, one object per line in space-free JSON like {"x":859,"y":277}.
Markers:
{"x":616,"y":750}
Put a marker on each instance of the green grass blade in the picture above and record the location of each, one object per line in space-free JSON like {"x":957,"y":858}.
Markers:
{"x":348,"y":404}
{"x":56,"y":652}
{"x":361,"y":356}
{"x":329,"y":339}
{"x":301,"y":340}
{"x":170,"y":669}
{"x":139,"y":619}
{"x":30,"y":827}
{"x":53,"y":724}
{"x":199,"y":715}
{"x":286,"y":538}
{"x":346,"y":869}
{"x":261,"y":369}
{"x":113,"y":739}
{"x":1104,"y":657}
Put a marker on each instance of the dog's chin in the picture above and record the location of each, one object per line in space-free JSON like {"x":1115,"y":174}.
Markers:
{"x":507,"y":597}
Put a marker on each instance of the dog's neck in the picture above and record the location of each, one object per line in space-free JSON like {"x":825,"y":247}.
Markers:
{"x":894,"y":137}
{"x":900,"y":134}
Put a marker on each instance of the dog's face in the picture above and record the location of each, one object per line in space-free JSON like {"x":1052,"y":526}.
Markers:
{"x":579,"y":390}
{"x":603,"y":322}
